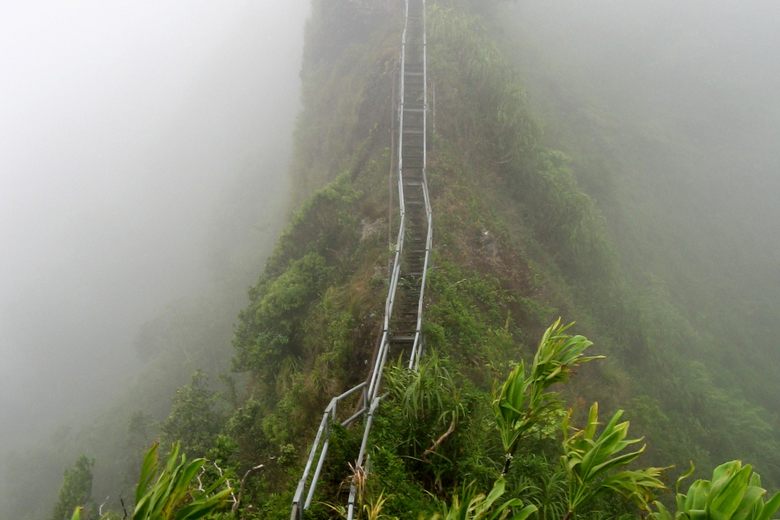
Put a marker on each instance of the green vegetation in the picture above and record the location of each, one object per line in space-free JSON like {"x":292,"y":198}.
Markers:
{"x":485,"y":428}
{"x":76,"y":490}
{"x":734,"y":492}
{"x":550,"y":243}
{"x":473,"y":506}
{"x":467,"y":436}
{"x":176,"y":491}
{"x":435,"y":431}
{"x":193,"y":422}
{"x":524,"y":401}
{"x":590,"y":462}
{"x":181,"y":489}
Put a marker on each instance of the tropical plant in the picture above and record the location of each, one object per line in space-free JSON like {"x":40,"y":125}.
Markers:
{"x":471,"y":505}
{"x":76,"y":489}
{"x":175,"y":491}
{"x":544,"y":485}
{"x":590,"y":461}
{"x":734,"y":493}
{"x":373,"y":509}
{"x":431,"y":402}
{"x":523,"y":400}
{"x":553,"y":486}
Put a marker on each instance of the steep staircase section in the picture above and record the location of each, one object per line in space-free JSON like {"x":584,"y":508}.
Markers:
{"x":401,"y":330}
{"x":406,"y":323}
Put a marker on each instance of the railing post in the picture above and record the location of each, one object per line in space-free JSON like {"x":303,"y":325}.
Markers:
{"x":320,"y":463}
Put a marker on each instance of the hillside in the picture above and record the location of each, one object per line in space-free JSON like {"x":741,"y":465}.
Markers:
{"x":518,"y":242}
{"x":522,"y":235}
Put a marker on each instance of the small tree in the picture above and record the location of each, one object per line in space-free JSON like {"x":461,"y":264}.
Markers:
{"x":193,"y":420}
{"x":76,"y":490}
{"x":592,"y":463}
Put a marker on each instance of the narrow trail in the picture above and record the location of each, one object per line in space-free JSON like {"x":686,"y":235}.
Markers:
{"x":401,"y":330}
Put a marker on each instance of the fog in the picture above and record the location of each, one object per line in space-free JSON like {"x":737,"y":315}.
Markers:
{"x":142,"y":146}
{"x":678,"y":100}
{"x":688,"y":90}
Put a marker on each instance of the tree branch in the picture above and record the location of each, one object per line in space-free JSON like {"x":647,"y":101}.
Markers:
{"x":237,"y":500}
{"x":438,"y":441}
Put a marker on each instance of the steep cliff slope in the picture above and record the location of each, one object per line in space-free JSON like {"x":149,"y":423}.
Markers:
{"x":517,"y":244}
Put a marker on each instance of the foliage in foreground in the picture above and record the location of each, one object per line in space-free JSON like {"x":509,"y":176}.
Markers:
{"x":471,"y":505}
{"x":524,"y":400}
{"x":589,"y":461}
{"x":175,"y":491}
{"x":734,"y":493}
{"x":595,"y":475}
{"x":171,"y":492}
{"x":560,"y":471}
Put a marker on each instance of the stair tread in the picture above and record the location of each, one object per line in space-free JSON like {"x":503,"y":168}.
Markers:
{"x":401,"y":338}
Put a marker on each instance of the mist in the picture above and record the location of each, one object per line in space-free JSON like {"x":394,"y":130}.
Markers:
{"x":673,"y":107}
{"x":688,"y":90}
{"x":143,"y":150}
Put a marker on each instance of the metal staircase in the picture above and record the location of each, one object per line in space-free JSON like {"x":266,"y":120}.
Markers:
{"x":413,"y":188}
{"x":401,"y":330}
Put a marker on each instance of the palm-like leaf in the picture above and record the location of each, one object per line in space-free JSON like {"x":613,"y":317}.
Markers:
{"x":558,"y":354}
{"x":170,"y":493}
{"x":470,"y":505}
{"x":523,"y":399}
{"x":513,"y":415}
{"x":734,"y":493}
{"x":591,"y":462}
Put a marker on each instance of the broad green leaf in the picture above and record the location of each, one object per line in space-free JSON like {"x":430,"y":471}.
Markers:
{"x":750,"y":504}
{"x":524,"y":513}
{"x":697,"y":495}
{"x":771,"y":507}
{"x":662,"y":513}
{"x":726,"y":498}
{"x":148,"y":469}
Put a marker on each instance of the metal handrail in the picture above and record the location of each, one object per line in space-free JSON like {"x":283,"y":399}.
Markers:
{"x":370,"y":387}
{"x":360,"y":463}
{"x":416,"y":351}
{"x":320,"y":445}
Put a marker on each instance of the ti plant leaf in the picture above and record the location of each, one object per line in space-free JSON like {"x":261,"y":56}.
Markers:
{"x":470,"y":505}
{"x":170,"y":493}
{"x":594,"y":463}
{"x":523,"y":399}
{"x":733,"y":493}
